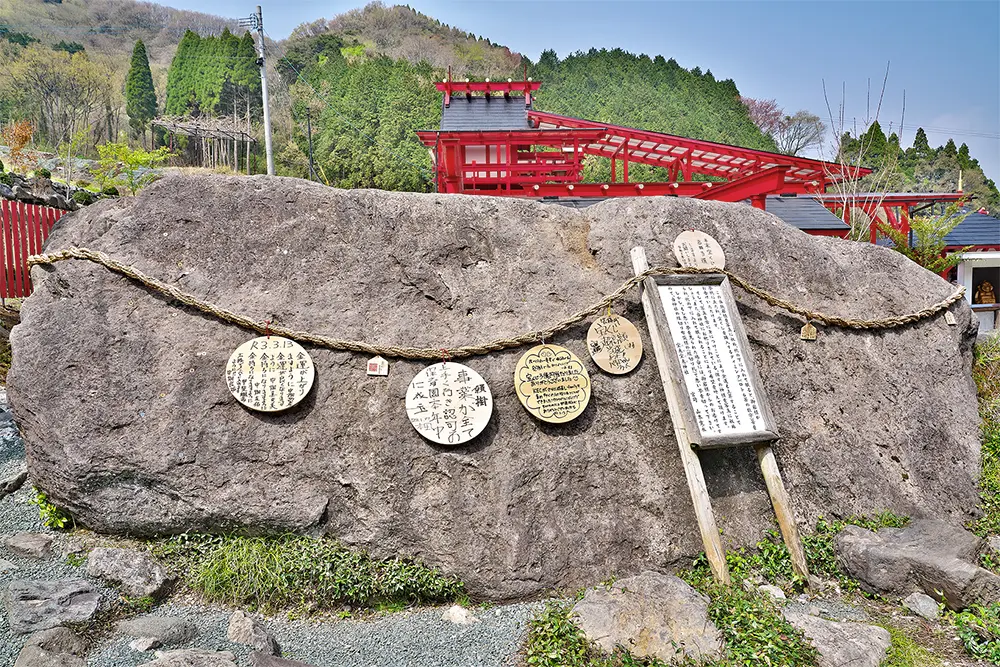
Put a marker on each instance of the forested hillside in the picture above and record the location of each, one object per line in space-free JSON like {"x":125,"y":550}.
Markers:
{"x":920,"y":168}
{"x":364,"y":81}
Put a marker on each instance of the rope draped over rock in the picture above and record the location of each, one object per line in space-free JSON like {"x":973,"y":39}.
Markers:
{"x":527,"y":338}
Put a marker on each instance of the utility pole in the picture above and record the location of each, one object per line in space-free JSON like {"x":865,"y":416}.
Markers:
{"x":309,"y":134}
{"x":257,"y":21}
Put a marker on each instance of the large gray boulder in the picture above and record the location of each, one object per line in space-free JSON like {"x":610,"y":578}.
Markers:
{"x":167,"y":630}
{"x":927,"y":555}
{"x":130,"y":426}
{"x":652,"y":615}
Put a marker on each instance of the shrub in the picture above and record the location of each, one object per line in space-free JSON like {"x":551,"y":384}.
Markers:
{"x":979,"y":629}
{"x":6,"y":178}
{"x":51,"y":515}
{"x":42,"y":172}
{"x":83,"y":197}
{"x":109,"y":191}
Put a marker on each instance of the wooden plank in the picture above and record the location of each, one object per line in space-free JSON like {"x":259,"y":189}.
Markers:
{"x":689,"y":458}
{"x":782,"y":509}
{"x":4,"y":218}
{"x":15,"y":245}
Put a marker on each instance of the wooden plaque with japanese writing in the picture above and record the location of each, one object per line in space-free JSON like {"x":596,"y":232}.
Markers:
{"x":724,"y":403}
{"x":552,"y":383}
{"x":614,"y":344}
{"x":449,"y":403}
{"x":270,"y":373}
{"x":698,"y":250}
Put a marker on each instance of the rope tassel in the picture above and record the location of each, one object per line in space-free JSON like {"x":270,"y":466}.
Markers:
{"x":529,"y":338}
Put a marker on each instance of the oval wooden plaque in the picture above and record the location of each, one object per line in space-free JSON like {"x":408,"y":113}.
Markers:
{"x":552,"y":383}
{"x":614,"y":344}
{"x":270,"y":373}
{"x":698,"y":250}
{"x":449,"y":403}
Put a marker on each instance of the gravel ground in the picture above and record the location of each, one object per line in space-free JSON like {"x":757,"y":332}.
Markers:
{"x":405,"y":639}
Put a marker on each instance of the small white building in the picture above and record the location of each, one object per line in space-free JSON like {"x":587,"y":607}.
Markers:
{"x":980,"y":267}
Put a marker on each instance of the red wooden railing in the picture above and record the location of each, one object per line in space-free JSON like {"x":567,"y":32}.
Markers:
{"x":23,"y":230}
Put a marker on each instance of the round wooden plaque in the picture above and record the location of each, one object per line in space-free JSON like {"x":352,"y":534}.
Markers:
{"x":698,"y":250}
{"x":552,"y":383}
{"x":449,"y":403}
{"x":270,"y":373}
{"x":614,"y":344}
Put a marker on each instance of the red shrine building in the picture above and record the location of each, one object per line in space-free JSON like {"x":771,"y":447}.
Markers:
{"x":493,"y":141}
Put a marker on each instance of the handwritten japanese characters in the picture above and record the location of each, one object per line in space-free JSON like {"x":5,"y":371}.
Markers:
{"x":699,"y":250}
{"x":614,"y":344}
{"x":712,"y":361}
{"x":449,"y":403}
{"x":270,"y":373}
{"x":552,"y":383}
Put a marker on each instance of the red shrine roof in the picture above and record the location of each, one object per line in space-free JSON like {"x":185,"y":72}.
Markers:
{"x":696,"y":156}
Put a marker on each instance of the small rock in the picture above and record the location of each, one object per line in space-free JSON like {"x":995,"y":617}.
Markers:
{"x":143,"y":644}
{"x":40,"y":605}
{"x":168,"y":630}
{"x":56,"y":647}
{"x":192,"y":657}
{"x":6,"y":566}
{"x":258,"y":659}
{"x":245,"y":630}
{"x":922,"y":605}
{"x":654,"y":615}
{"x":12,"y":483}
{"x":839,"y":644}
{"x":136,"y":573}
{"x":459,"y":615}
{"x":773,"y":591}
{"x":29,"y":545}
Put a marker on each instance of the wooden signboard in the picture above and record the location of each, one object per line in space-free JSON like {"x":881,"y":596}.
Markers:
{"x":449,"y":403}
{"x":713,"y":392}
{"x":723,"y":401}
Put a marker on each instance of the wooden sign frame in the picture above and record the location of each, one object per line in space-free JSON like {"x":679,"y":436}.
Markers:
{"x":699,"y":440}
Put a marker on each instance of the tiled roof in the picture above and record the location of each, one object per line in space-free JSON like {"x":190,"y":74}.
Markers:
{"x":976,"y":229}
{"x":804,"y":212}
{"x":482,"y":113}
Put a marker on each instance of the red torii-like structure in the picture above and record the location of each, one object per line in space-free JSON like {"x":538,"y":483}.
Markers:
{"x":492,"y":141}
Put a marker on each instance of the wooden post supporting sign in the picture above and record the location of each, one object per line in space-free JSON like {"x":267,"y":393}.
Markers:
{"x":713,"y":391}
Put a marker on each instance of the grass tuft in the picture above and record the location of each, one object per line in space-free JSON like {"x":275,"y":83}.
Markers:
{"x":906,"y":652}
{"x":301,"y":573}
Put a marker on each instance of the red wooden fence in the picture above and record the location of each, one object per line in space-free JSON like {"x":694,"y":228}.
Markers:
{"x":23,"y":230}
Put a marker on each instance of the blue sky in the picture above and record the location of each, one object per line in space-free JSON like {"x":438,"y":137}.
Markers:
{"x":945,"y":55}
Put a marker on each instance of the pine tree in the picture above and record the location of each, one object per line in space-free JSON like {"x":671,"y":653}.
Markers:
{"x":921,"y":148}
{"x":949,"y":148}
{"x":140,"y":95}
{"x":964,"y":161}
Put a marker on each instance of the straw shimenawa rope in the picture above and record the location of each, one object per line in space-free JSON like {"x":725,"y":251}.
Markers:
{"x":528,"y":338}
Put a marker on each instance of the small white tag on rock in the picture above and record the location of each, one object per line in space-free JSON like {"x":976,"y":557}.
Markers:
{"x":378,"y":366}
{"x":808,"y":332}
{"x":698,"y":250}
{"x":949,"y":318}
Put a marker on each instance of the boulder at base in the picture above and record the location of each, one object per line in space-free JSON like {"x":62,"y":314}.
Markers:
{"x":130,"y":425}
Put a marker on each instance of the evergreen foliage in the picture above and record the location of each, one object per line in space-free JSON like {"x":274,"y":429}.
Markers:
{"x":208,"y":74}
{"x":140,"y":95}
{"x":927,"y":245}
